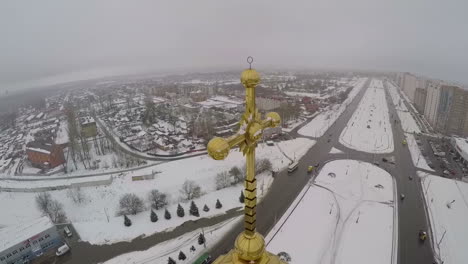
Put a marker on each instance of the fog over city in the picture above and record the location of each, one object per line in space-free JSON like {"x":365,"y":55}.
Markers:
{"x":53,"y":41}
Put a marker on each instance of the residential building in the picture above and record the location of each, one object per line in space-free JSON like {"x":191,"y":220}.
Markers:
{"x":22,"y":243}
{"x":44,"y":155}
{"x":88,"y":126}
{"x":432,"y":102}
{"x":267,"y":104}
{"x":452,"y":111}
{"x":420,"y":94}
{"x":408,"y":83}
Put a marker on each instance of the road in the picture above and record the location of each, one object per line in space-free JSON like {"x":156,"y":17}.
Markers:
{"x":412,"y":215}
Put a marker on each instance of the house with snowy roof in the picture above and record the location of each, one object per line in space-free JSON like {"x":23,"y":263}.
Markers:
{"x":44,"y":154}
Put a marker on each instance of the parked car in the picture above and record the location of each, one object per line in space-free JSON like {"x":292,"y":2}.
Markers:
{"x":67,"y":231}
{"x":62,"y":249}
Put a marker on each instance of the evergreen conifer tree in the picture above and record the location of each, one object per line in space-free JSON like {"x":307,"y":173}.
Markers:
{"x":182,"y":256}
{"x":218,"y":204}
{"x":194,"y":209}
{"x":127,"y":221}
{"x":153,"y":216}
{"x":180,"y":211}
{"x":167,"y":215}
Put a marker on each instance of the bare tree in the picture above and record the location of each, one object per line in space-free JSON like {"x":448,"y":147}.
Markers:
{"x":50,"y":207}
{"x":157,"y":199}
{"x":43,"y":201}
{"x":56,"y":212}
{"x":131,"y":204}
{"x":223,"y":180}
{"x":76,"y":194}
{"x":237,"y":174}
{"x":190,"y":190}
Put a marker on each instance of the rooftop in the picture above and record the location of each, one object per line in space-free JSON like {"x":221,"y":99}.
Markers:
{"x":12,"y":235}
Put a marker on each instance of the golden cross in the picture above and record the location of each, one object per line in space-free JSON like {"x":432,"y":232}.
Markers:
{"x":250,"y":245}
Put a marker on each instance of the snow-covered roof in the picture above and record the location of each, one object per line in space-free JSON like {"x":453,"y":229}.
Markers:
{"x":87,"y":120}
{"x":39,"y":150}
{"x":12,"y":235}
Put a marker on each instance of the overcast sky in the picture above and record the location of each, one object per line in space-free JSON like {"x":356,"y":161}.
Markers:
{"x":43,"y":40}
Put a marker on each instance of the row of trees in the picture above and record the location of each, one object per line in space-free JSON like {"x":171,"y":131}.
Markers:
{"x":236,"y":175}
{"x":180,"y":212}
{"x":130,"y":203}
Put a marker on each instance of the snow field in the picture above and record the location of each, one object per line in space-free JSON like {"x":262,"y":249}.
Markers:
{"x":416,"y":155}
{"x":320,"y":124}
{"x":350,"y":201}
{"x":448,"y":220}
{"x":369,"y":128}
{"x":161,"y":252}
{"x":98,"y":211}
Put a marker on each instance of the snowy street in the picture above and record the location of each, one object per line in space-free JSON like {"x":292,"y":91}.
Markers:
{"x":349,"y":199}
{"x":369,"y":128}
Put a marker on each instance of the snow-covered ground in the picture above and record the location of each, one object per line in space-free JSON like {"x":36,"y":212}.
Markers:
{"x":350,"y":201}
{"x":336,"y":151}
{"x":416,"y":155}
{"x":447,"y":202}
{"x":369,"y":128}
{"x":317,"y":126}
{"x":408,"y":123}
{"x":95,"y":219}
{"x":171,"y":248}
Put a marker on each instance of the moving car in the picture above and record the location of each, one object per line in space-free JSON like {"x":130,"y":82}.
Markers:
{"x":404,"y":142}
{"x":310,"y":169}
{"x":62,"y":249}
{"x":422,"y":235}
{"x":293,"y":166}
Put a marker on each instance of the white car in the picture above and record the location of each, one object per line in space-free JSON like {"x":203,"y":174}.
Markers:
{"x":62,"y":249}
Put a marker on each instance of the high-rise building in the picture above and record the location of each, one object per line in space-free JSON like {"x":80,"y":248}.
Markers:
{"x":408,"y":83}
{"x":452,"y":111}
{"x":432,"y":102}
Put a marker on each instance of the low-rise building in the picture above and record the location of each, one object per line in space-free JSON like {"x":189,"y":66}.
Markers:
{"x":44,"y":155}
{"x":25,"y":242}
{"x":88,"y":126}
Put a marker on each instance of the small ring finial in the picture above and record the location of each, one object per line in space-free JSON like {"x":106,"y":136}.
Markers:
{"x":250,"y":60}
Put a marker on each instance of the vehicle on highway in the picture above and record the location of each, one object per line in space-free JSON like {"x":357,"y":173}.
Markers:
{"x":404,"y":142}
{"x":402,"y":197}
{"x":270,"y":143}
{"x":293,"y":166}
{"x":328,"y":140}
{"x":446,"y":172}
{"x":410,"y":177}
{"x":422,"y":235}
{"x":310,"y":169}
{"x":67,"y":231}
{"x":62,"y":249}
{"x":439,"y":154}
{"x":384,"y":159}
{"x":376,"y":163}
{"x":203,"y":259}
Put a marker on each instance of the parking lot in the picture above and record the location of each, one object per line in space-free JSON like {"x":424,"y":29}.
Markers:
{"x":441,"y":157}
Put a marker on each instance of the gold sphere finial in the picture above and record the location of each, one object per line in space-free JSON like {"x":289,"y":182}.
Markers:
{"x":274,"y":117}
{"x":250,"y":247}
{"x":218,"y":148}
{"x":250,"y":78}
